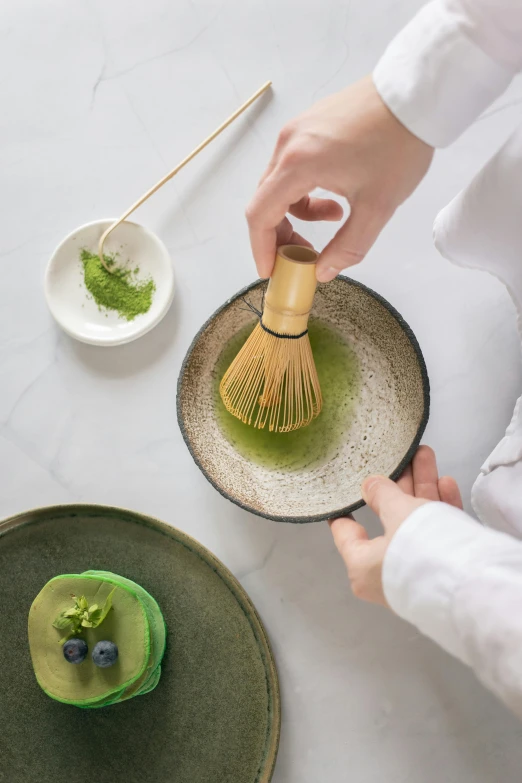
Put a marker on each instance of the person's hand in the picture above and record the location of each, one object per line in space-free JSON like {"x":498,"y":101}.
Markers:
{"x":393,"y":503}
{"x":352,"y":145}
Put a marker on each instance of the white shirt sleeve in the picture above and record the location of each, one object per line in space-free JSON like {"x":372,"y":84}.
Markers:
{"x":449,"y":63}
{"x":461,"y":585}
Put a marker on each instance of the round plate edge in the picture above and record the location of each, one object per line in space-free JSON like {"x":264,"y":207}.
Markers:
{"x":11,"y":523}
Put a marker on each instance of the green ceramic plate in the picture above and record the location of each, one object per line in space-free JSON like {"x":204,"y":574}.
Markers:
{"x":215,"y":715}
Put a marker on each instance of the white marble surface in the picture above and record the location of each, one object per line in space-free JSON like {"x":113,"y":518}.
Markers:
{"x":98,"y":99}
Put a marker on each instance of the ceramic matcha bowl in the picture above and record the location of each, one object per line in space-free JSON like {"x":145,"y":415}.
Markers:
{"x":375,"y":425}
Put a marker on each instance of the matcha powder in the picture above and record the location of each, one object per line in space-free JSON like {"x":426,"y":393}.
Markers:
{"x":118,"y":290}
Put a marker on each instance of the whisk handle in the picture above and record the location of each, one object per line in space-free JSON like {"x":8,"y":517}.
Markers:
{"x":291,"y":290}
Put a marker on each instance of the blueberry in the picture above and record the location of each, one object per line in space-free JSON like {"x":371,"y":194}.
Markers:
{"x":104,"y":654}
{"x":75,"y":650}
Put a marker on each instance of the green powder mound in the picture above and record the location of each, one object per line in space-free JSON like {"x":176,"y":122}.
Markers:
{"x":118,"y":290}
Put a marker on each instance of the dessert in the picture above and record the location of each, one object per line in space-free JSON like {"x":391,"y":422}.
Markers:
{"x":95,"y":639}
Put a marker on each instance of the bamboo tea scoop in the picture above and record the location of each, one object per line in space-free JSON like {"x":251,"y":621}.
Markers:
{"x":177,"y":168}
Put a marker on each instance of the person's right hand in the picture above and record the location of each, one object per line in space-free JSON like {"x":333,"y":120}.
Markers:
{"x":352,"y":145}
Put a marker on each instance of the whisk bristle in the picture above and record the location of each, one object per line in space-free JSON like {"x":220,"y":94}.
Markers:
{"x":273,"y":381}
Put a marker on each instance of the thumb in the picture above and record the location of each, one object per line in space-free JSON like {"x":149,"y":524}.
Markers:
{"x":389,"y":502}
{"x":347,"y":532}
{"x":352,"y":241}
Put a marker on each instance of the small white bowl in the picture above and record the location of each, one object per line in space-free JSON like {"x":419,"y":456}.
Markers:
{"x":73,"y":307}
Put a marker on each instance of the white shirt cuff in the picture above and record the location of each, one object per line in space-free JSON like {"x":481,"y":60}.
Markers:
{"x":434,"y":79}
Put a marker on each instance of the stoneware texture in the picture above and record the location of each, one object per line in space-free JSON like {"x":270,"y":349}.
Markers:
{"x":99,"y":100}
{"x":389,"y":417}
{"x":214,"y":716}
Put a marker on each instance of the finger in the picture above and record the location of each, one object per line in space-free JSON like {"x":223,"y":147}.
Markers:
{"x":449,"y":492}
{"x":267,"y":210}
{"x":348,"y":516}
{"x":348,"y":537}
{"x":347,"y":532}
{"x":351,"y":243}
{"x":405,"y":482}
{"x":269,"y":169}
{"x":388,"y":501}
{"x":364,"y":562}
{"x":285,"y":235}
{"x":425,"y":474}
{"x":312,"y":208}
{"x":281,"y":144}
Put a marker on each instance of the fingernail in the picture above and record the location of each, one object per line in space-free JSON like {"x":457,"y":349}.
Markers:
{"x":368,"y":484}
{"x":334,"y":519}
{"x":324,"y":275}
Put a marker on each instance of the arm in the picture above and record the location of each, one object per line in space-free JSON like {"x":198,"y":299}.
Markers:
{"x":459,"y":583}
{"x":449,"y":63}
{"x":373,"y":142}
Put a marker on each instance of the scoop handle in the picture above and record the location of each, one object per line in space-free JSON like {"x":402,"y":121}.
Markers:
{"x":291,"y":290}
{"x":177,"y":168}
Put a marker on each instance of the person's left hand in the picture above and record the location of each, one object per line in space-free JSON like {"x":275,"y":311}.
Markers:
{"x":393,"y":503}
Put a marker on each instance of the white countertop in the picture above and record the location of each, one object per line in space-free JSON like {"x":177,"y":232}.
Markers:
{"x":98,"y":100}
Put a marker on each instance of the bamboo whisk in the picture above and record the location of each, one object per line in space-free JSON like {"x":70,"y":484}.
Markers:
{"x":273,"y":378}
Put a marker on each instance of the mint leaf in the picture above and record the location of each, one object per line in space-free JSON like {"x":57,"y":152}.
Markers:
{"x":106,"y":608}
{"x":82,"y":616}
{"x":68,"y":619}
{"x":62,"y":621}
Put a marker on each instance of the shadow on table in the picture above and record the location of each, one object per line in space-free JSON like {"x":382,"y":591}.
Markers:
{"x":218,"y":155}
{"x":122,"y":361}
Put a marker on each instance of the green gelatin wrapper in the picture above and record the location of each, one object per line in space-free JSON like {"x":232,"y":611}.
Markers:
{"x":135,"y":623}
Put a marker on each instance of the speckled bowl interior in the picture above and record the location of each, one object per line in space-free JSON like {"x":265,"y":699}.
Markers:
{"x":381,"y":436}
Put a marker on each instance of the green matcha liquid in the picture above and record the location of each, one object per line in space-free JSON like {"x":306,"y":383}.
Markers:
{"x":338,"y":372}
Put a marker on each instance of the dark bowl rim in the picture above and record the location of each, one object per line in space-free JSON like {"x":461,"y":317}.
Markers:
{"x":394,"y":475}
